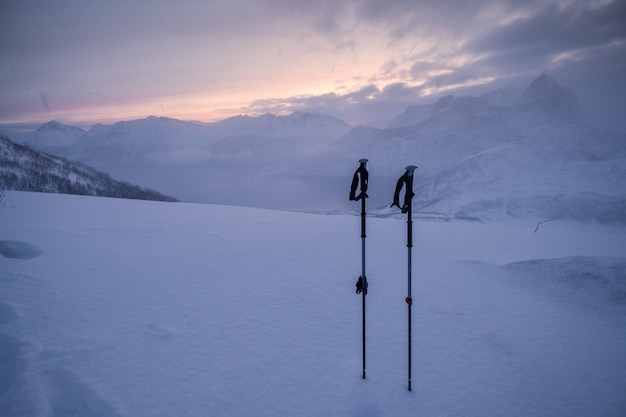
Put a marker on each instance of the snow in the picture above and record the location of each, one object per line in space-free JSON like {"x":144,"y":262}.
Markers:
{"x":133,"y":308}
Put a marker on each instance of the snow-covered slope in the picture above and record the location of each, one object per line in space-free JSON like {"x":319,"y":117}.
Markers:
{"x":26,"y":169}
{"x":129,"y":308}
{"x":547,"y":172}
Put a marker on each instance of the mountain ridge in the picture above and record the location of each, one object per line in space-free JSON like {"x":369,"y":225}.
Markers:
{"x":25,"y":169}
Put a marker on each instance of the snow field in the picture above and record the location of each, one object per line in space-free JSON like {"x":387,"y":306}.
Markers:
{"x":126,"y":308}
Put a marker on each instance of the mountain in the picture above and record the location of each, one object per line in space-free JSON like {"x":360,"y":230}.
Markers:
{"x":25,"y":169}
{"x":411,"y":116}
{"x":206,"y":162}
{"x":502,"y":97}
{"x":52,"y":137}
{"x":164,"y":140}
{"x":503,"y":153}
{"x":134,"y":141}
{"x":547,"y":102}
{"x":315,"y":127}
{"x":534,"y":158}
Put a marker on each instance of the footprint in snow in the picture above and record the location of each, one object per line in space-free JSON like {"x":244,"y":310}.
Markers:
{"x":18,"y":250}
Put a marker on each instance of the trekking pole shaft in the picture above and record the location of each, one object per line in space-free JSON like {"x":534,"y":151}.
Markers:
{"x":409,"y":347}
{"x":409,"y":279}
{"x":363,"y":273}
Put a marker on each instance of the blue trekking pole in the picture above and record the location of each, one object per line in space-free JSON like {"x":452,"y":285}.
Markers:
{"x":407,"y":180}
{"x":361,"y":178}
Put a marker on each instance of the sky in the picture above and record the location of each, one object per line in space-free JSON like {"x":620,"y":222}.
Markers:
{"x":83,"y":62}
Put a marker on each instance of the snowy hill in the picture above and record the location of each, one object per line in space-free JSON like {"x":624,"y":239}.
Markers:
{"x":23,"y":168}
{"x":127,"y":308}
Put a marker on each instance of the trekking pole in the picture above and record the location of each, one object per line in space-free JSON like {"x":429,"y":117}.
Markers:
{"x":407,"y":180}
{"x":361,"y":177}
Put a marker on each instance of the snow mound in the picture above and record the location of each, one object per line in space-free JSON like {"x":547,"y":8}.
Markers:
{"x":581,"y":279}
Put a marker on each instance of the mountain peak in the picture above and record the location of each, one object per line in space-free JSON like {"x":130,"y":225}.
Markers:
{"x":541,"y":87}
{"x":56,"y":126}
{"x":560,"y":104}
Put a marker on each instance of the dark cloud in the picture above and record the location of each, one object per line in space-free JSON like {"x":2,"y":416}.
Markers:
{"x":536,"y":40}
{"x":580,"y":45}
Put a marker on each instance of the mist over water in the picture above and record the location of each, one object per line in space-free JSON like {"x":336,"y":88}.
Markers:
{"x":254,"y":187}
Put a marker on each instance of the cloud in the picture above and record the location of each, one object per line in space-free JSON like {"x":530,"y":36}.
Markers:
{"x":367,"y":104}
{"x":352,"y":56}
{"x":552,"y":30}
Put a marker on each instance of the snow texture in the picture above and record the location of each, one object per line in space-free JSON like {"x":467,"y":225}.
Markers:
{"x":132,"y":308}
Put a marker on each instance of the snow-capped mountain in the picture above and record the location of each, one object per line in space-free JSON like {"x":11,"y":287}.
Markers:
{"x":159,"y":139}
{"x":134,"y":141}
{"x":52,"y":137}
{"x":506,"y":151}
{"x":305,"y":126}
{"x":25,"y":169}
{"x":479,"y":160}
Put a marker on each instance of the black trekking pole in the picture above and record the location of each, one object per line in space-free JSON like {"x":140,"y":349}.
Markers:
{"x":407,"y":180}
{"x":361,"y":177}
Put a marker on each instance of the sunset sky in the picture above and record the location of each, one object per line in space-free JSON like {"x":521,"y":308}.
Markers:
{"x":83,"y":61}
